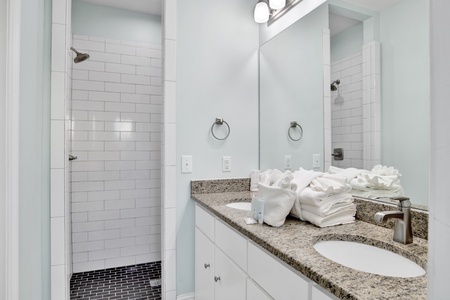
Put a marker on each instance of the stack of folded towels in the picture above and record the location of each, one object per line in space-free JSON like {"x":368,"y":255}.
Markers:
{"x":320,"y":198}
{"x":380,"y":182}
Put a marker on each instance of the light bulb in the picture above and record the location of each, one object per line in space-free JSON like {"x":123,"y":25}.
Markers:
{"x":277,"y":4}
{"x":262,"y":12}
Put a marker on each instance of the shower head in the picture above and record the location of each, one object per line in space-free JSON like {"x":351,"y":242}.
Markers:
{"x":80,"y":56}
{"x":334,"y":85}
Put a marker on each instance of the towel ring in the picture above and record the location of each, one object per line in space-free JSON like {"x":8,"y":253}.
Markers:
{"x":220,"y":122}
{"x":294,"y":125}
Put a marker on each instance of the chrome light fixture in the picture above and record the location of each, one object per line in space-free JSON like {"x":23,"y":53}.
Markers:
{"x":277,"y":4}
{"x":262,"y":12}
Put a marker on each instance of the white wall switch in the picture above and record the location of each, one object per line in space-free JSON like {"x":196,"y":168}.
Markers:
{"x":186,"y":164}
{"x":226,"y":163}
{"x":316,"y":160}
{"x":287,"y":162}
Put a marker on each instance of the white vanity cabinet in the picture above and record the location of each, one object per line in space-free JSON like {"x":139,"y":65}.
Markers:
{"x":230,"y":267}
{"x":217,"y":276}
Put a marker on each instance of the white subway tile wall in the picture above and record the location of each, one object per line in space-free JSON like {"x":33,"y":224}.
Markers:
{"x":116,"y":134}
{"x":347,"y":110}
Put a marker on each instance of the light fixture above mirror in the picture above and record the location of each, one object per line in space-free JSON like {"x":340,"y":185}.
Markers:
{"x":268,"y":11}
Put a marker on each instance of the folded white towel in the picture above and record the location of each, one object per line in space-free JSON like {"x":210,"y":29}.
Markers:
{"x":302,"y":178}
{"x":328,"y":209}
{"x":348,"y":173}
{"x":344,"y":217}
{"x":277,"y":203}
{"x":310,"y":197}
{"x":285,"y":180}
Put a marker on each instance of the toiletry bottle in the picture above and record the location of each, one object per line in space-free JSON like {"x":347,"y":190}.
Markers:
{"x":255,"y":207}
{"x":260,"y":211}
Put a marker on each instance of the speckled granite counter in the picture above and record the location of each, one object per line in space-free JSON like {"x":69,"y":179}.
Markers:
{"x":293,"y":243}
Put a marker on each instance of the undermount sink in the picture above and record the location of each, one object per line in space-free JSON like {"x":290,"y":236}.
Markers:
{"x":369,"y":259}
{"x":240,"y":205}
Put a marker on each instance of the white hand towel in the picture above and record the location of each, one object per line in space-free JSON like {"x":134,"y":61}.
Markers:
{"x":264,"y":177}
{"x":302,"y":178}
{"x":310,"y":197}
{"x":285,"y":180}
{"x":277,"y":203}
{"x":331,"y":184}
{"x":276,"y":174}
{"x":348,"y":173}
{"x":344,"y":217}
{"x":328,"y":209}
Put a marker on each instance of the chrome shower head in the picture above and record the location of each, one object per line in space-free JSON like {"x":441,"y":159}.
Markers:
{"x":334,"y":85}
{"x":80,"y":56}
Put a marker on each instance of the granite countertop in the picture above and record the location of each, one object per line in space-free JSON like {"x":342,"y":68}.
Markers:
{"x":293,"y":243}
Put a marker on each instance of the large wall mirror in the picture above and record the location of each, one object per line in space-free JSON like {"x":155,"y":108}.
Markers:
{"x":378,"y":51}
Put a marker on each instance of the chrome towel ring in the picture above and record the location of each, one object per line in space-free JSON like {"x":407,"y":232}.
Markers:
{"x":220,"y":122}
{"x":293,"y":126}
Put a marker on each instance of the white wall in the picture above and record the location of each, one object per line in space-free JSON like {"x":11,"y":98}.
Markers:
{"x":3,"y":161}
{"x":34,"y":152}
{"x":347,"y":110}
{"x":439,"y":221}
{"x":217,"y":76}
{"x":103,"y":21}
{"x":116,"y":134}
{"x":347,"y":42}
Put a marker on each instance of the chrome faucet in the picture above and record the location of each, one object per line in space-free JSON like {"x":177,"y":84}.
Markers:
{"x":402,"y":228}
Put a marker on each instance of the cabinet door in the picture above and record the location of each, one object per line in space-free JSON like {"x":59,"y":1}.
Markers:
{"x":230,"y":280}
{"x":204,"y":267}
{"x":255,"y":292}
{"x":320,"y":294}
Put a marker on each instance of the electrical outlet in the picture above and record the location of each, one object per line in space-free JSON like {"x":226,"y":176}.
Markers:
{"x":226,"y":163}
{"x":186,"y":164}
{"x":287,"y":162}
{"x":316,"y":160}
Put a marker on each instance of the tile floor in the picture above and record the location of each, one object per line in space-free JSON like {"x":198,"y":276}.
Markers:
{"x":131,"y":283}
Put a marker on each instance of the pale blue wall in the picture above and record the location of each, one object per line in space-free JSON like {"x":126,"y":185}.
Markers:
{"x":406,"y":94}
{"x":217,"y":76}
{"x":347,"y":42}
{"x":34,"y":151}
{"x":102,"y":21}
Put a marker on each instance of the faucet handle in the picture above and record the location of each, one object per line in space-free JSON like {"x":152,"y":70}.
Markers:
{"x":404,"y":201}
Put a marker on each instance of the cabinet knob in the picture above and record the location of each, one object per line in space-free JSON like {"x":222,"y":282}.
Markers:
{"x":216,"y":278}
{"x":207,"y":266}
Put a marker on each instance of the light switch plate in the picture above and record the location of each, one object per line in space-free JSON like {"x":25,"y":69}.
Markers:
{"x":186,"y":164}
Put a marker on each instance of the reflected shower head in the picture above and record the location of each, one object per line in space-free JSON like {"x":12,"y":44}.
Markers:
{"x":80,"y":56}
{"x":334,"y":85}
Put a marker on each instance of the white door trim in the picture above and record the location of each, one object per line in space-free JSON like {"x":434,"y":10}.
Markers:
{"x":13,"y":17}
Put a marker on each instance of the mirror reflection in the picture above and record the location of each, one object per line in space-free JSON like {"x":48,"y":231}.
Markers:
{"x":356,"y":79}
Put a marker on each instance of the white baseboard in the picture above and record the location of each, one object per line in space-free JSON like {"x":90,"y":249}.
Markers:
{"x":190,"y":296}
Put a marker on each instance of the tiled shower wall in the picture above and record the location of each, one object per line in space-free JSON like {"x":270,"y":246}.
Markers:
{"x":347,"y":110}
{"x":116,"y":135}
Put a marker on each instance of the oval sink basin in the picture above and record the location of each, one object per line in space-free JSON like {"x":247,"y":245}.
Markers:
{"x":369,"y":259}
{"x":240,"y":205}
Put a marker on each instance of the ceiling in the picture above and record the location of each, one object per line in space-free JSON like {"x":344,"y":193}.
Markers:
{"x":152,"y":7}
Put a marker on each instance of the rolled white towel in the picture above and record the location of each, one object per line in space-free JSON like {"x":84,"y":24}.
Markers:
{"x":344,"y":217}
{"x":285,"y":180}
{"x":302,"y":178}
{"x":277,"y":203}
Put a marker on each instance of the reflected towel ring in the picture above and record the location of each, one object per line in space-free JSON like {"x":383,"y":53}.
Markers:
{"x":220,"y":122}
{"x":294,"y":125}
